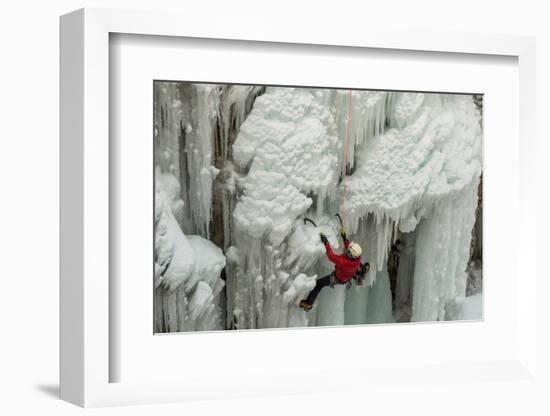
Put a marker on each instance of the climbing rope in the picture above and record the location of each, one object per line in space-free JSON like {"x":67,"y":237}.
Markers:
{"x":345,"y":166}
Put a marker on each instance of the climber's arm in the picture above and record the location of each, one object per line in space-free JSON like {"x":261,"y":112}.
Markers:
{"x":330,"y":254}
{"x":335,"y":258}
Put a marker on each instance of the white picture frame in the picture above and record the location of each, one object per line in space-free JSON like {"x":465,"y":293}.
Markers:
{"x":85,"y":164}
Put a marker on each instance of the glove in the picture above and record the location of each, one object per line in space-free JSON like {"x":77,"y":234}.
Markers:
{"x":324,"y":239}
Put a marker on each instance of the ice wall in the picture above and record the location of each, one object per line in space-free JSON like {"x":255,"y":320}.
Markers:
{"x":363,"y":114}
{"x":195,"y":125}
{"x":410,"y":158}
{"x":423,"y":172}
{"x":291,"y":160}
{"x":287,"y":151}
{"x":187,"y":269}
{"x":253,"y":162}
{"x":379,"y":304}
{"x":442,"y":253}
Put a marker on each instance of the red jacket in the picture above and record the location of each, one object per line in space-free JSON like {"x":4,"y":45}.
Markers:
{"x":345,"y":267}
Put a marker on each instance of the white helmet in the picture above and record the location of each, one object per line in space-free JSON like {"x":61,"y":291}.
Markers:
{"x":354,"y":250}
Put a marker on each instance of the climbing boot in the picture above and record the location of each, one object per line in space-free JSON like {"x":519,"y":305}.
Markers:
{"x":305,"y":306}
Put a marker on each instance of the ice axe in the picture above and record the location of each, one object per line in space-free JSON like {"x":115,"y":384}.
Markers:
{"x":306,"y":220}
{"x":342,"y":231}
{"x":341,"y":222}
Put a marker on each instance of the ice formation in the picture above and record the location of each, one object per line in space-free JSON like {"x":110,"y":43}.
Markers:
{"x":194,"y":128}
{"x":254,"y":162}
{"x":187,"y":269}
{"x":412,"y":158}
{"x":192,"y":138}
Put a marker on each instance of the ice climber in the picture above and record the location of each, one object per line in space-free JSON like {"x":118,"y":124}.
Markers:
{"x":346,"y":267}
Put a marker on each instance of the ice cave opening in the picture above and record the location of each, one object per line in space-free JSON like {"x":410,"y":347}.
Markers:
{"x":237,"y":168}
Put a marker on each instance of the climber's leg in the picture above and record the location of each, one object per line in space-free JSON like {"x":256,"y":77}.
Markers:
{"x":310,"y":300}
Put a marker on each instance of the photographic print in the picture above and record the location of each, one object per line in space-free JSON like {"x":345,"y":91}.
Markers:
{"x":278,"y":207}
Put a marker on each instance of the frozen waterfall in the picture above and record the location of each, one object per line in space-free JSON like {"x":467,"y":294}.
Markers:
{"x":240,"y":167}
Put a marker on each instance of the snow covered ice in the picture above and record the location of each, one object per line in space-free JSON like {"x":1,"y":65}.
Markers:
{"x":238,"y":168}
{"x":187,"y":269}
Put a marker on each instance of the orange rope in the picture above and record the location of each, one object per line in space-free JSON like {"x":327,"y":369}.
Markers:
{"x":345,"y":167}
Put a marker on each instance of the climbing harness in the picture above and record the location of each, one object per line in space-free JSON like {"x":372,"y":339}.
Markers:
{"x":335,"y":282}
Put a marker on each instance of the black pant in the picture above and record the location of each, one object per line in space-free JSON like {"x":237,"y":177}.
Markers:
{"x":321,"y":283}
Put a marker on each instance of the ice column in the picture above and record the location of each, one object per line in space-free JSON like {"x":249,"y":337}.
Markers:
{"x":442,"y":253}
{"x":379,"y":306}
